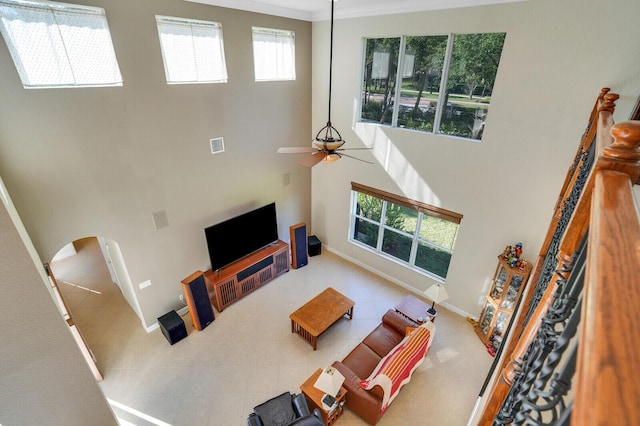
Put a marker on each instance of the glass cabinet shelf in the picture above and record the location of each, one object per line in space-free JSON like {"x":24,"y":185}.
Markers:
{"x":505,"y":291}
{"x":498,"y":283}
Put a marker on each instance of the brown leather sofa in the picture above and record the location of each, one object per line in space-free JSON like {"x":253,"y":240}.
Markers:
{"x":364,"y":358}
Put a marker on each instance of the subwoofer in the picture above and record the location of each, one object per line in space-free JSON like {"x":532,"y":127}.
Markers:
{"x":315,"y":246}
{"x":172,"y":327}
{"x":298,"y":235}
{"x":196,"y":295}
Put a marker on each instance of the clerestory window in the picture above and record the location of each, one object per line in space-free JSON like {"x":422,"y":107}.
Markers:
{"x":59,"y":45}
{"x":274,"y":55}
{"x":439,"y":84}
{"x":410,"y":232}
{"x":192,"y":51}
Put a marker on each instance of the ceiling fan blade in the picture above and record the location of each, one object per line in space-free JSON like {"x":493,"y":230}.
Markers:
{"x":312,"y":160}
{"x":355,"y":158}
{"x":351,"y":149}
{"x":297,"y":150}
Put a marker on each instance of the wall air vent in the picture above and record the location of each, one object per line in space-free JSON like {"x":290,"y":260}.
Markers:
{"x":160,"y":219}
{"x":217,"y":145}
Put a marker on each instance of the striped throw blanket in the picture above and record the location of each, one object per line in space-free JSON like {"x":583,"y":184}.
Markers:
{"x":396,"y":368}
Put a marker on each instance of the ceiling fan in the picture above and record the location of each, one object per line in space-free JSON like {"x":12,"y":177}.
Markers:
{"x":328,"y":141}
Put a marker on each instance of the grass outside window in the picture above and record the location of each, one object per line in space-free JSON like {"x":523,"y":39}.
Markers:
{"x":411,"y":232}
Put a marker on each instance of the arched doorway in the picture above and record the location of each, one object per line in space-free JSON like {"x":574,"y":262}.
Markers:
{"x":93,"y":282}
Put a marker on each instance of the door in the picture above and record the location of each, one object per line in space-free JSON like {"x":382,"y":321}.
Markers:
{"x":75,"y":331}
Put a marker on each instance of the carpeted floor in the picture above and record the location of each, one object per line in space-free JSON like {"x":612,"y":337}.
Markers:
{"x":248,"y":354}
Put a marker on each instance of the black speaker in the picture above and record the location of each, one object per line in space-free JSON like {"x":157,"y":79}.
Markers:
{"x":172,"y":327}
{"x":298,"y":235}
{"x":196,"y":294}
{"x":315,"y":246}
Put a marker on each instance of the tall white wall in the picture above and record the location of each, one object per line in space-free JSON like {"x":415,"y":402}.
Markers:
{"x":556,"y":58}
{"x":43,"y":377}
{"x":100,"y":161}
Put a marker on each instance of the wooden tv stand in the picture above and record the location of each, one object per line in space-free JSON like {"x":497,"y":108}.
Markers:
{"x":235,"y":281}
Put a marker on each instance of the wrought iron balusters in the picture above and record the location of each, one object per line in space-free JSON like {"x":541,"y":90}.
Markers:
{"x":538,"y":395}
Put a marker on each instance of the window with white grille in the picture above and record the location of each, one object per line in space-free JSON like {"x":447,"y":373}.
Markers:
{"x":59,"y":45}
{"x":192,"y":51}
{"x":274,"y":54}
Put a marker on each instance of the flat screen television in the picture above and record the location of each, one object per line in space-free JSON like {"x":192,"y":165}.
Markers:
{"x":242,"y":235}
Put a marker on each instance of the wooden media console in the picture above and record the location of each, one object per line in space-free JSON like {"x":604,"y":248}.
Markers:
{"x":235,"y":281}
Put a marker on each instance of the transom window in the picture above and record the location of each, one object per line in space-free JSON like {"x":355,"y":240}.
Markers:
{"x":408,"y":231}
{"x":445,"y":82}
{"x":274,"y":54}
{"x":192,"y":51}
{"x":59,"y":45}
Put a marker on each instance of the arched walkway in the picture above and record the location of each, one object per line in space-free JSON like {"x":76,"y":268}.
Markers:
{"x":95,"y":302}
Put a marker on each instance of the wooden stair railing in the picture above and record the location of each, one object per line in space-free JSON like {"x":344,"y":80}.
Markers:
{"x":510,"y":357}
{"x":617,"y":163}
{"x":607,"y":390}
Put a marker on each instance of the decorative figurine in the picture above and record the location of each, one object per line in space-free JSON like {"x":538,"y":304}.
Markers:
{"x":512,"y":254}
{"x":506,"y":252}
{"x":523,"y":264}
{"x":518,"y":249}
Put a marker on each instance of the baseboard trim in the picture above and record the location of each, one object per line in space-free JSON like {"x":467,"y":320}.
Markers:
{"x":155,"y":325}
{"x":369,"y":268}
{"x":395,"y":280}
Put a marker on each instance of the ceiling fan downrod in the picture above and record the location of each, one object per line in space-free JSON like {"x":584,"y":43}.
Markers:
{"x":329,"y":129}
{"x":328,"y":140}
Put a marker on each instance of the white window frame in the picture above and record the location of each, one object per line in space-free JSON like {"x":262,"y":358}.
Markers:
{"x":56,"y":52}
{"x":274,"y":54}
{"x":196,"y":55}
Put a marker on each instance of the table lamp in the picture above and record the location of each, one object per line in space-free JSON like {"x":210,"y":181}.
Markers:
{"x":330,"y":381}
{"x":437,"y":294}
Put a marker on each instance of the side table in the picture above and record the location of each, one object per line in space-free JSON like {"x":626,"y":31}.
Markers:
{"x":415,"y":309}
{"x":314,"y":399}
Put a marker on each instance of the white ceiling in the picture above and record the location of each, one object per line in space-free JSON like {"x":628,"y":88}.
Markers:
{"x":318,"y":10}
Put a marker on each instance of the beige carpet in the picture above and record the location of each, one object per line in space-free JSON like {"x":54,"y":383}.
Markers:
{"x":248,"y":354}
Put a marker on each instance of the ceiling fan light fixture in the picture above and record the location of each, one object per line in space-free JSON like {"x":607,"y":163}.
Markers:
{"x":330,"y":158}
{"x":328,"y":131}
{"x":328,"y":139}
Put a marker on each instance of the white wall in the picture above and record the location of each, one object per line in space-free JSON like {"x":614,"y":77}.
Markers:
{"x":66,"y":251}
{"x":119,"y":273}
{"x":100,"y":161}
{"x":556,"y":58}
{"x":43,"y":377}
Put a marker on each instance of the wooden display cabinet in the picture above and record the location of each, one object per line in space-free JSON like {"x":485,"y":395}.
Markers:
{"x":235,"y":281}
{"x":506,"y":289}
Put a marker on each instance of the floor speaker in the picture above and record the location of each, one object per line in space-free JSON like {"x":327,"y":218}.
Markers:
{"x":298,"y":235}
{"x":196,"y":295}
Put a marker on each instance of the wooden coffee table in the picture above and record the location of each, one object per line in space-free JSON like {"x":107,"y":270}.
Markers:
{"x":320,"y":313}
